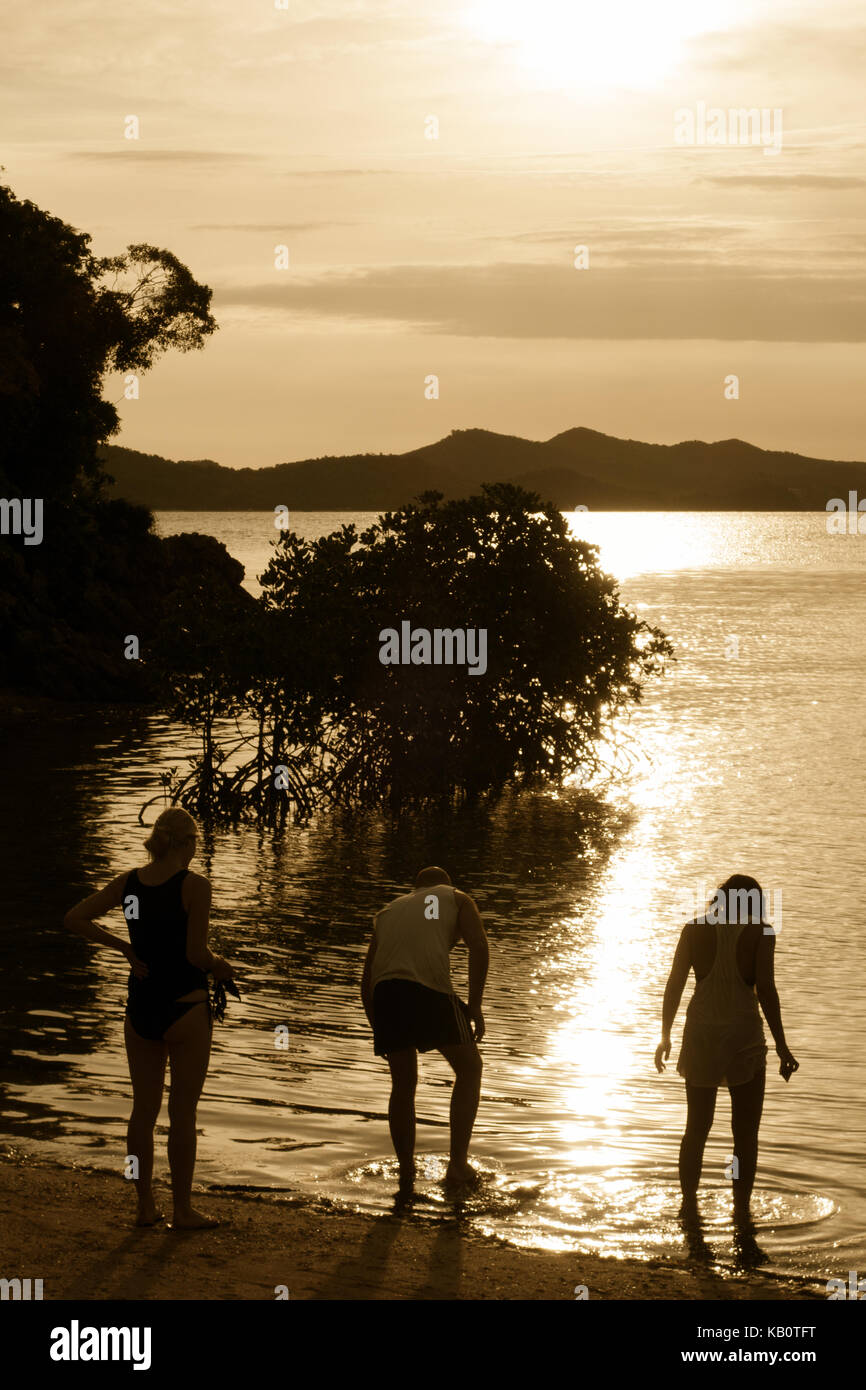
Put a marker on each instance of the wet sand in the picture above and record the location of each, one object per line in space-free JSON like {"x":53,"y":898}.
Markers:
{"x":73,"y":1228}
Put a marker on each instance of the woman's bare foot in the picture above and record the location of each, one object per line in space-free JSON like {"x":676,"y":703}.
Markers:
{"x":689,"y":1212}
{"x":191,"y":1220}
{"x":461,"y":1175}
{"x":743,"y":1219}
{"x":148,"y":1214}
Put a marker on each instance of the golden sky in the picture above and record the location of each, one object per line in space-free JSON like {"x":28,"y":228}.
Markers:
{"x":558,"y":125}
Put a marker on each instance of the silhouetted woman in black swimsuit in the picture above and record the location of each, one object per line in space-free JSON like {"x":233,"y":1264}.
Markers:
{"x":167,"y":911}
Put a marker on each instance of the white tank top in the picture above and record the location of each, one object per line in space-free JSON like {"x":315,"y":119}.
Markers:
{"x":723,"y":1037}
{"x":414,"y":937}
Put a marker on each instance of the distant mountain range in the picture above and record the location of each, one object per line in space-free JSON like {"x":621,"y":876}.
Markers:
{"x":577,"y":468}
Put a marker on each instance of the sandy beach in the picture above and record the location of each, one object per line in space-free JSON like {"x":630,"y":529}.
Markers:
{"x":73,"y":1229}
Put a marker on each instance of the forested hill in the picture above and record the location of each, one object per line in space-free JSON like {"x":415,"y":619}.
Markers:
{"x":578,"y":467}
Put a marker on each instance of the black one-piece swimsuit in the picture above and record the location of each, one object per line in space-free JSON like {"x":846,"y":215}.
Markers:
{"x":157,"y":918}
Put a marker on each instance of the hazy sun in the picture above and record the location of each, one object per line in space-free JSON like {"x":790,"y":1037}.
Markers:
{"x":609,"y":43}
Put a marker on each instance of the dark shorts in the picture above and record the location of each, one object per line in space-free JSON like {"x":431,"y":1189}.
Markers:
{"x":152,"y":1012}
{"x":409,"y":1015}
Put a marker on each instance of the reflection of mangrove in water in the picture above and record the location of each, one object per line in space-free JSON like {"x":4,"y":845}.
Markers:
{"x":55,"y":792}
{"x":530,"y":851}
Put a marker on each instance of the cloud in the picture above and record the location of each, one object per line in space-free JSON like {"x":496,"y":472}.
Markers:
{"x":133,"y":150}
{"x":768,"y":181}
{"x":818,"y":45}
{"x":338,"y":173}
{"x":633,"y":235}
{"x":684,"y":301}
{"x":276,"y":227}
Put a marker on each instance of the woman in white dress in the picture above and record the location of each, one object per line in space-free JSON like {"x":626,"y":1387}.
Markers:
{"x":731,"y":950}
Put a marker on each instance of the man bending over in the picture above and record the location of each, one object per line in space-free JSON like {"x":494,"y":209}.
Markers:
{"x":411,"y":1005}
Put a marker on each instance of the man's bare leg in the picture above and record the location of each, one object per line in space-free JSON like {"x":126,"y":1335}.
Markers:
{"x":401,"y":1111}
{"x":465,"y":1060}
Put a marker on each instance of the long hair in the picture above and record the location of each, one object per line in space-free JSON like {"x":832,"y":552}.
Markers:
{"x":171,"y":829}
{"x":726,"y":904}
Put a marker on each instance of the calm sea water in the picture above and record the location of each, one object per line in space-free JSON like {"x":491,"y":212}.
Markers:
{"x":746,"y":757}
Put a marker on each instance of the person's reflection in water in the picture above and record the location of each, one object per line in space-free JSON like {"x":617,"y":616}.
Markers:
{"x":731,"y":950}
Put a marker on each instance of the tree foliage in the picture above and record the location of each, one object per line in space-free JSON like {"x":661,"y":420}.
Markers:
{"x":67,"y":318}
{"x":564,"y":657}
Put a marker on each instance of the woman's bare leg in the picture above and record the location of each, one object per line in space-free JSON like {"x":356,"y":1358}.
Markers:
{"x":147,"y":1072}
{"x":701,"y":1102}
{"x":747,"y":1104}
{"x":189,"y":1041}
